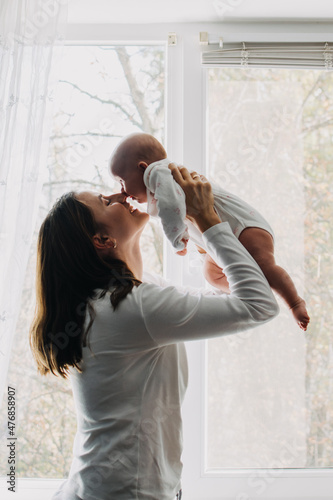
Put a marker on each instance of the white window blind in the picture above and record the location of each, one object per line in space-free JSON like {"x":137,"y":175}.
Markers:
{"x":315,"y":55}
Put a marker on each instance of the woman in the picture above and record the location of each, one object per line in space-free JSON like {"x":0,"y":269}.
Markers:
{"x":121,"y":338}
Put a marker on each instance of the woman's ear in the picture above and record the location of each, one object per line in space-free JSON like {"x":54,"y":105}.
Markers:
{"x":103,"y":242}
{"x":142,"y":165}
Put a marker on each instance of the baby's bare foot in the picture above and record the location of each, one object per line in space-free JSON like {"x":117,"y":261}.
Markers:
{"x":300,"y":314}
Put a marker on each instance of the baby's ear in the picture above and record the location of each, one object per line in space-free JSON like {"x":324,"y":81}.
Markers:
{"x":142,"y":165}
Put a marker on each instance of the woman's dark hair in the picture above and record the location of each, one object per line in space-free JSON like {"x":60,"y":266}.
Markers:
{"x":69,"y":270}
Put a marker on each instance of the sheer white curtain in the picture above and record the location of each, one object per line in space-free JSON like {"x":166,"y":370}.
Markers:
{"x":29,"y":32}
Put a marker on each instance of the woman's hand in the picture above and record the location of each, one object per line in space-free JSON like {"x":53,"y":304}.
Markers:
{"x":199,"y":197}
{"x":214,"y":274}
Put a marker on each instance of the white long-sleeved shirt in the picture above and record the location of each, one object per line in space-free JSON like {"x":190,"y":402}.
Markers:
{"x":129,"y":431}
{"x":166,"y":199}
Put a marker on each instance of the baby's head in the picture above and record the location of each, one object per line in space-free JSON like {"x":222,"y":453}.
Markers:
{"x":130,"y":160}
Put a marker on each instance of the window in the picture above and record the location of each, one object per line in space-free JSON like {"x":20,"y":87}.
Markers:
{"x":189,"y":92}
{"x":268,"y":391}
{"x":105,"y":93}
{"x":214,"y":465}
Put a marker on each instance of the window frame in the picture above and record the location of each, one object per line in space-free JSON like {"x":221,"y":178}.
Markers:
{"x":236,"y":484}
{"x":185,"y":133}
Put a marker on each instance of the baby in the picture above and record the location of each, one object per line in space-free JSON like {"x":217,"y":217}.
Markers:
{"x":140,"y":164}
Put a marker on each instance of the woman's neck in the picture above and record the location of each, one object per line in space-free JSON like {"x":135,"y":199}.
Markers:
{"x":133,"y":258}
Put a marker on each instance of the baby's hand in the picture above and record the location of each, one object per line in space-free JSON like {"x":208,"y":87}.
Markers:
{"x":215,"y":275}
{"x":184,"y":251}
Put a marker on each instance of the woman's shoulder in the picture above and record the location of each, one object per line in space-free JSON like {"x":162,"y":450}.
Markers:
{"x":155,"y":279}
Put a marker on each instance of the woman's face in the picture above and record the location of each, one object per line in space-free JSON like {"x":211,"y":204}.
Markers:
{"x":115,"y":217}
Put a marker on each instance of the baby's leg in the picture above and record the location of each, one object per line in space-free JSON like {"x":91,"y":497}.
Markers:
{"x":259,"y":243}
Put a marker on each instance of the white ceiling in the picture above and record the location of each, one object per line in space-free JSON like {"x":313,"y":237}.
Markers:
{"x":165,"y":11}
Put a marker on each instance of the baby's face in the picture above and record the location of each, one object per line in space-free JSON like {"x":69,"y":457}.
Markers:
{"x":131,"y":180}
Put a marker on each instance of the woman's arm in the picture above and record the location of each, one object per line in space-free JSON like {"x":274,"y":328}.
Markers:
{"x":172,"y":316}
